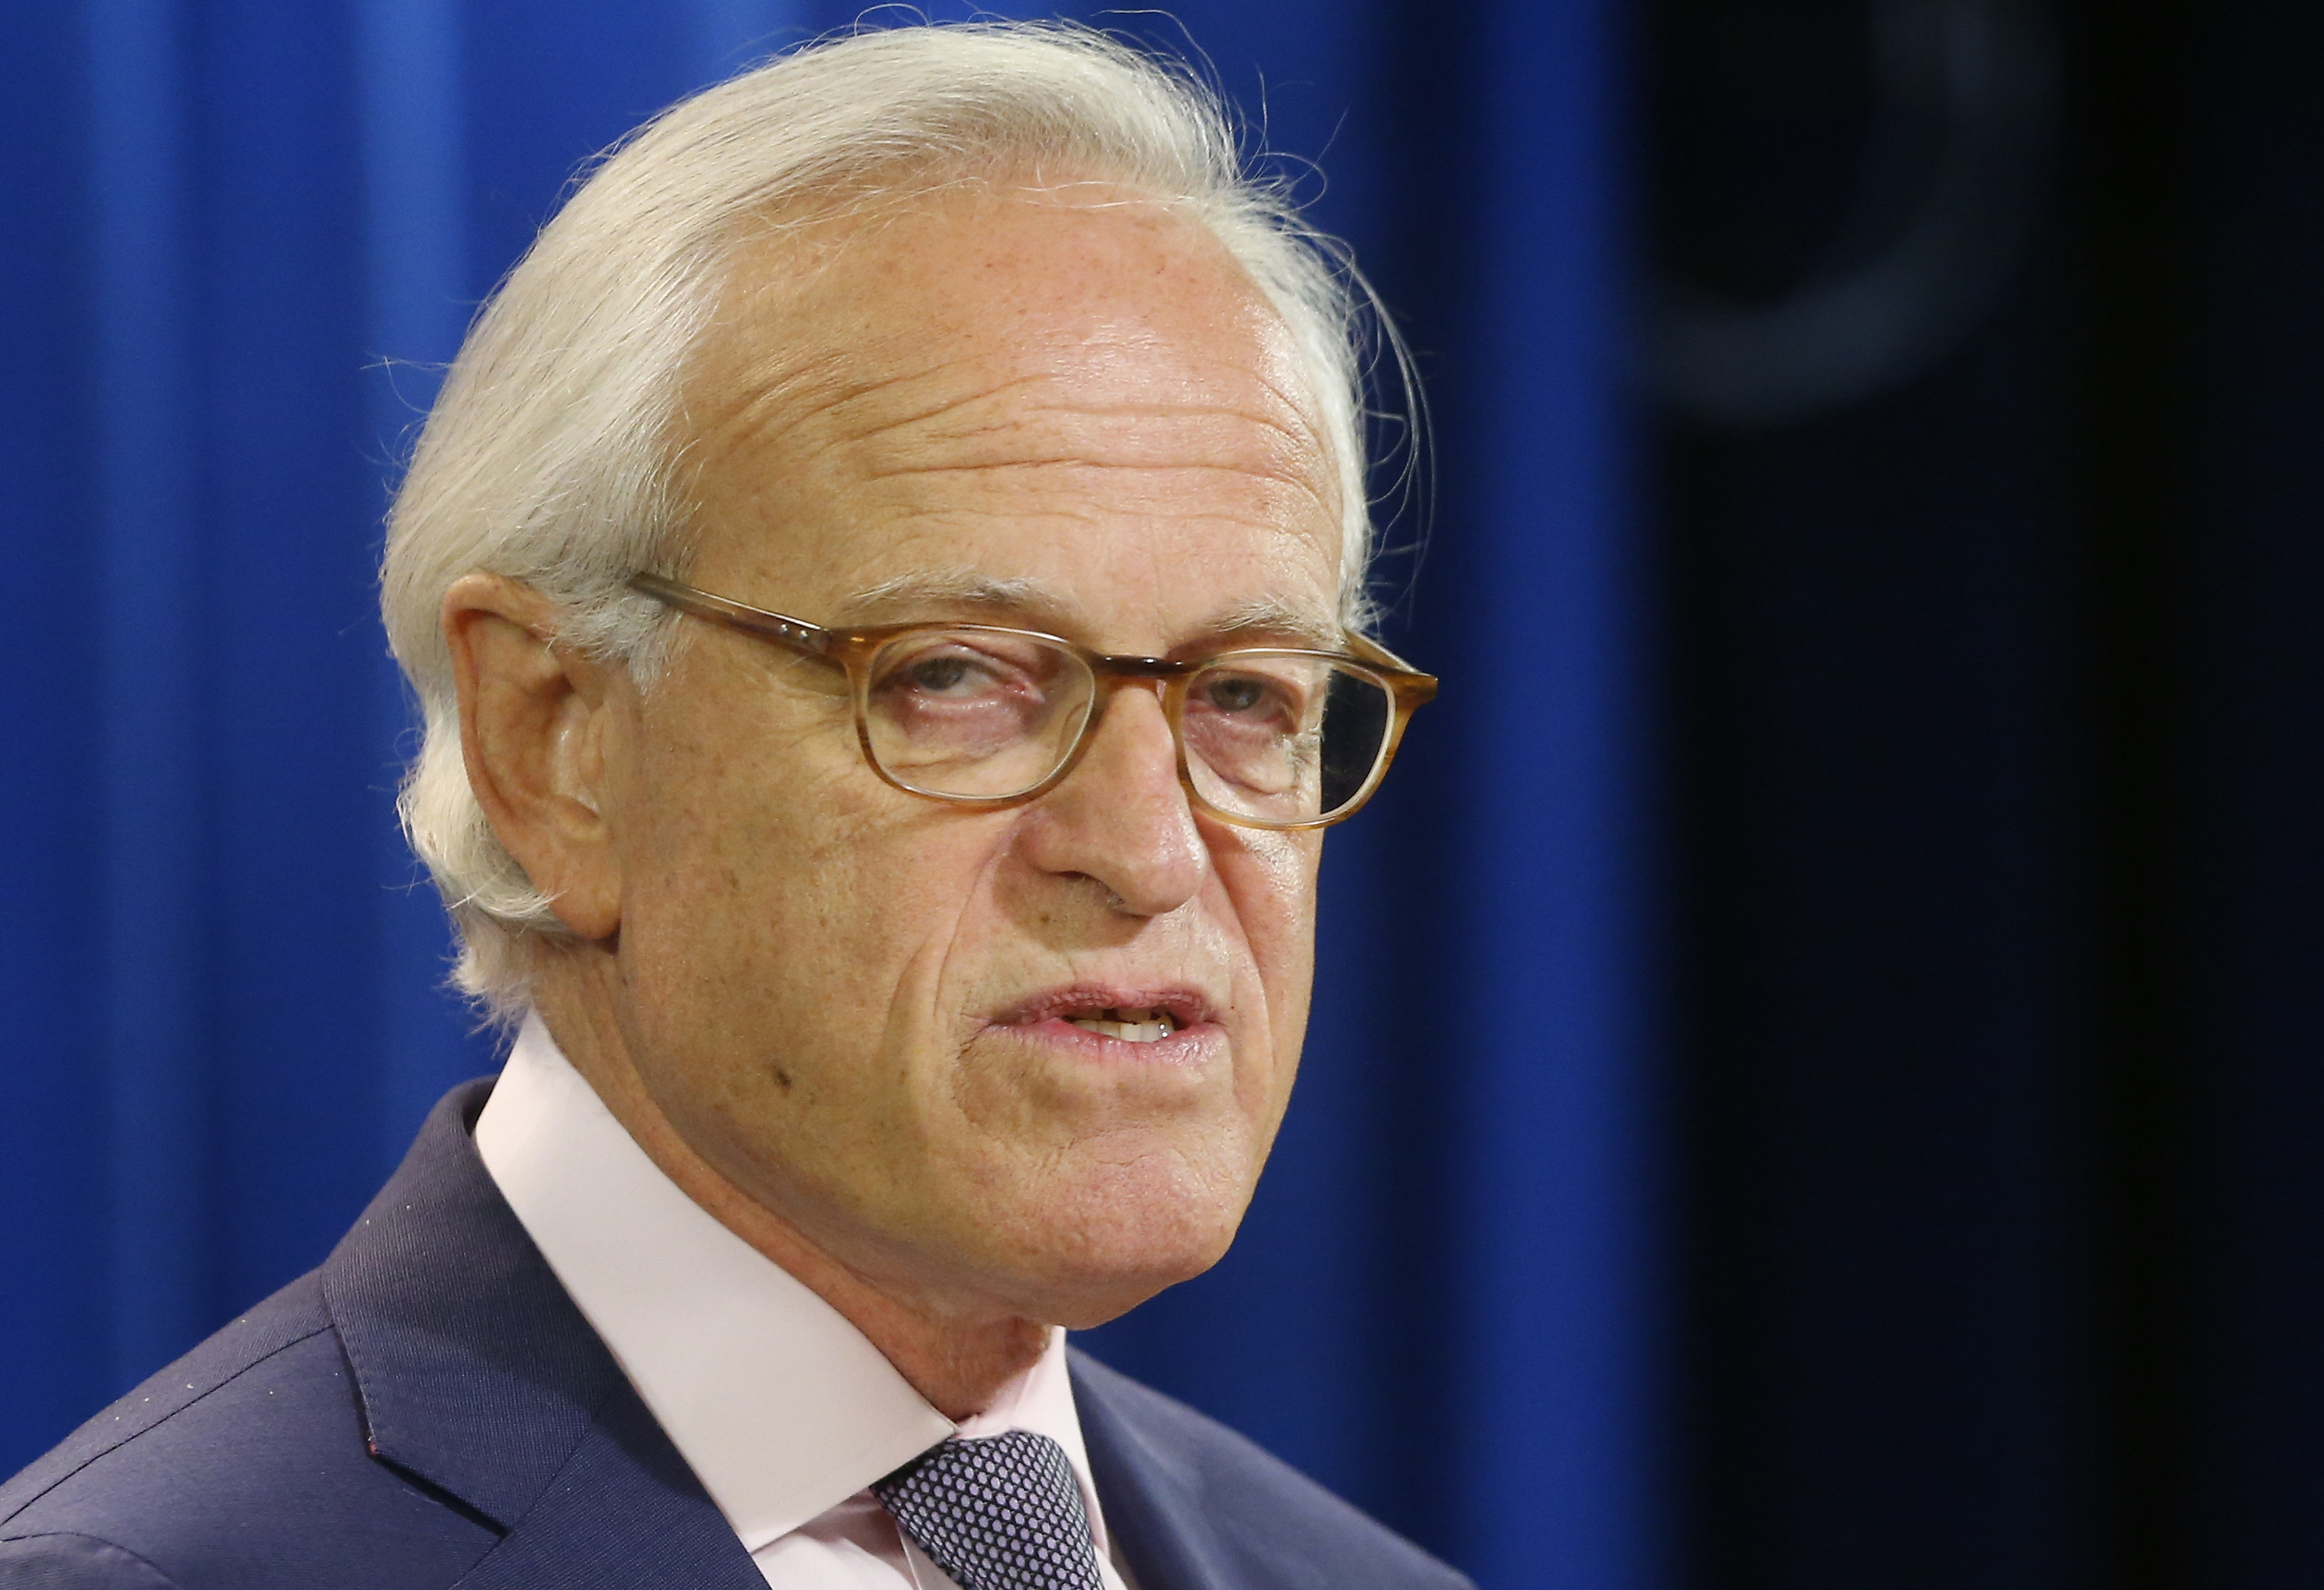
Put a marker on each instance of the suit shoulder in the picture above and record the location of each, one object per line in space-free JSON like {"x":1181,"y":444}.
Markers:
{"x":245,"y":1464}
{"x":1194,"y":1471}
{"x":292,"y":1315}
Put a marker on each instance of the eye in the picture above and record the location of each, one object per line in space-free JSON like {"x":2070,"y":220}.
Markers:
{"x":1236,"y":693}
{"x":948,"y":671}
{"x":940,"y":675}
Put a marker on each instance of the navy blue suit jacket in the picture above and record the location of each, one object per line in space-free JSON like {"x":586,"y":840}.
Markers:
{"x":428,"y":1408}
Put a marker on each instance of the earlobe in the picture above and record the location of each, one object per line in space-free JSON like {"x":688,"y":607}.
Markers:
{"x":533,"y":722}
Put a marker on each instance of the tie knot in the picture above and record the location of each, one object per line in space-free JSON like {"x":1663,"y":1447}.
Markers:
{"x":998,"y":1512}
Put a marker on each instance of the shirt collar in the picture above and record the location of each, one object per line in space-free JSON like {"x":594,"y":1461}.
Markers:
{"x":781,"y":1406}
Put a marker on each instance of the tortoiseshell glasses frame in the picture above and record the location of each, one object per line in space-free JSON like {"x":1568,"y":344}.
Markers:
{"x":1374,"y":692}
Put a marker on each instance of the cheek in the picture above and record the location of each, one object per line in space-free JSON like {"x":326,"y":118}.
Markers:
{"x":1270,"y":882}
{"x":814,"y":906}
{"x":719,"y":898}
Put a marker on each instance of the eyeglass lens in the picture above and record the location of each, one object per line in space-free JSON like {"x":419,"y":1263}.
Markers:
{"x":986,"y":714}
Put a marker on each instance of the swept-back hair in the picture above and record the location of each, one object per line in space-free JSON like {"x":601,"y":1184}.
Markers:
{"x":551,"y":456}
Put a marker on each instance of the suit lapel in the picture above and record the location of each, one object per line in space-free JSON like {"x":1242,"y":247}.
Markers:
{"x":1150,"y":1494}
{"x":623,"y":1512}
{"x":478,"y":1378}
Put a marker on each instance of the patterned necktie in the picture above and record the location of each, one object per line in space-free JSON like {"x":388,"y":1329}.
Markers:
{"x":998,"y":1513}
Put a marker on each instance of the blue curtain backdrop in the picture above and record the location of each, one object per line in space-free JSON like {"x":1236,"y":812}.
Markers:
{"x":235,"y":237}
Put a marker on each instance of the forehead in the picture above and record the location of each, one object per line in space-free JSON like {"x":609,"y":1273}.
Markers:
{"x":1075,"y":386}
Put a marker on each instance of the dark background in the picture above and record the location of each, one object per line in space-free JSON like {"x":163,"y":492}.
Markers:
{"x":1812,"y":1081}
{"x":1995,"y":700}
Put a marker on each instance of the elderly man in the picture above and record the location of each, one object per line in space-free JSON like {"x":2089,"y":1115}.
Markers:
{"x":883,"y":581}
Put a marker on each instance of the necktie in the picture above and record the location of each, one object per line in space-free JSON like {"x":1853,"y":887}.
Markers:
{"x":998,"y":1513}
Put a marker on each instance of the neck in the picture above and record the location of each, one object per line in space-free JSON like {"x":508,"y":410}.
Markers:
{"x":957,"y":1357}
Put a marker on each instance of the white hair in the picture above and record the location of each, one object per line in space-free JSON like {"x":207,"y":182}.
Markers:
{"x":551,"y":455}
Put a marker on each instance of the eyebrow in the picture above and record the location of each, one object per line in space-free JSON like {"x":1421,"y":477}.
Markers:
{"x":995,"y":598}
{"x":1275,"y":619}
{"x":987,"y":595}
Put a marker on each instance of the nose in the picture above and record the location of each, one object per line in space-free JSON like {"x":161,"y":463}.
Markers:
{"x":1121,"y":818}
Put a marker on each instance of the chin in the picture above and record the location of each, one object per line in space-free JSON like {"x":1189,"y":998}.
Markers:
{"x":1088,"y":1298}
{"x":1113,"y":1250}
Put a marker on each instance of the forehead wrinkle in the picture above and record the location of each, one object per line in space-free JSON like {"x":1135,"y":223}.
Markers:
{"x":796,"y":371}
{"x":1070,"y":463}
{"x":827,"y":393}
{"x":758,"y":410}
{"x":772,"y":364}
{"x":1202,"y":439}
{"x":772,"y":409}
{"x":1101,"y":413}
{"x":1097,"y":409}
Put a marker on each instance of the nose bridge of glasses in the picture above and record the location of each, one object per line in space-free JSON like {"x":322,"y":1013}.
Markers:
{"x":1117,"y":674}
{"x":1114,"y":675}
{"x":1116,"y":682}
{"x":1166,"y":676}
{"x":1120,"y":670}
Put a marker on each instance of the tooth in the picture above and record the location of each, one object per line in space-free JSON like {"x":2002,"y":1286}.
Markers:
{"x":1129,"y":1031}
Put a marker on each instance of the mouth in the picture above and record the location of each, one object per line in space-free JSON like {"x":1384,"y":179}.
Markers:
{"x":1144,"y":1024}
{"x":1120,"y":1015}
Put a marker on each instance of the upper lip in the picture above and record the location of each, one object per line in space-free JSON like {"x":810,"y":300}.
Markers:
{"x":1186,"y":1006}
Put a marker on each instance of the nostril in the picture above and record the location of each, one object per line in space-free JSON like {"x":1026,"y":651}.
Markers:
{"x":1113,"y":900}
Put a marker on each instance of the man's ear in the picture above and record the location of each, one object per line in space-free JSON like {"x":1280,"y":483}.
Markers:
{"x":538,"y":731}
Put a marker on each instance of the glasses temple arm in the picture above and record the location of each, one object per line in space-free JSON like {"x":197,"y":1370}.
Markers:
{"x":798,"y":634}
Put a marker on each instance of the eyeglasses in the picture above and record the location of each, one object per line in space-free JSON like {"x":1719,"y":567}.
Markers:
{"x":987,"y":717}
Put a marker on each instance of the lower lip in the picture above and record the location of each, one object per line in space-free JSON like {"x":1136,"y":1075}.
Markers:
{"x":1187,"y":1045}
